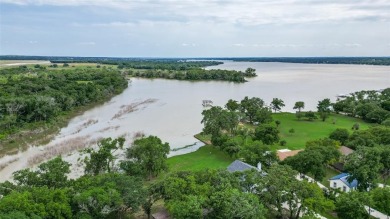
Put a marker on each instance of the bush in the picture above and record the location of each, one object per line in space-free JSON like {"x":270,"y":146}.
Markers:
{"x":340,"y":135}
{"x":283,"y":143}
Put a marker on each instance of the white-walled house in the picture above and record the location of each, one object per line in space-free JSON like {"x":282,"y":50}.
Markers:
{"x":341,"y":182}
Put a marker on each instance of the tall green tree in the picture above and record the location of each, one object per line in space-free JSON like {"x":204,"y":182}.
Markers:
{"x":268,"y":134}
{"x":324,"y":108}
{"x":365,"y":166}
{"x":299,"y":105}
{"x":250,"y":106}
{"x":232,"y":105}
{"x":381,"y":199}
{"x":351,"y":206}
{"x":103,"y":159}
{"x":52,"y":174}
{"x":277,"y":104}
{"x":148,"y":154}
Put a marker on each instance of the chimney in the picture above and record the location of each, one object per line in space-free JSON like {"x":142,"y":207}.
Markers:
{"x":259,"y":166}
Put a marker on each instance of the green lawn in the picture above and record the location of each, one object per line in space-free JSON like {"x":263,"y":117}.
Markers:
{"x":311,"y":130}
{"x":205,"y":157}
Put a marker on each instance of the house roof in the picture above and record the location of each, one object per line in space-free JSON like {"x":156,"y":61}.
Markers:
{"x":238,"y":165}
{"x":345,"y":150}
{"x":344,"y":178}
{"x":284,"y":153}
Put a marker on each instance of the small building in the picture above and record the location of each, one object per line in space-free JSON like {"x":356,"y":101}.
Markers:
{"x":345,"y":151}
{"x":284,"y":153}
{"x":240,"y":166}
{"x":341,"y":182}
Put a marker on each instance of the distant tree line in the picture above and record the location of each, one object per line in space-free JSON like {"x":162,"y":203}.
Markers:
{"x":311,"y":60}
{"x":319,"y":60}
{"x":194,"y":74}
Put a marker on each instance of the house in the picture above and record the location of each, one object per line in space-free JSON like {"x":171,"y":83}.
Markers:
{"x":240,"y":166}
{"x":284,"y":153}
{"x":341,"y":182}
{"x":345,"y":151}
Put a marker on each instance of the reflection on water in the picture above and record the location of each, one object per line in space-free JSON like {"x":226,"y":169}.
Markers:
{"x":172,"y":109}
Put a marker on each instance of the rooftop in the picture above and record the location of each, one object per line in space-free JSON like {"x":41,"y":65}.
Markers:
{"x":284,"y":153}
{"x":238,"y":165}
{"x":344,"y":178}
{"x":345,"y":150}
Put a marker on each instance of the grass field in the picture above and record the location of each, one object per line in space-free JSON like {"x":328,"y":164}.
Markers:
{"x":205,"y":157}
{"x":311,"y":130}
{"x":305,"y":130}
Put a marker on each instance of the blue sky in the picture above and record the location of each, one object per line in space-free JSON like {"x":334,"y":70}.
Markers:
{"x":195,"y":28}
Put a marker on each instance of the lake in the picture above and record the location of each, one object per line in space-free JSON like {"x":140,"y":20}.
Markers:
{"x":171,"y":109}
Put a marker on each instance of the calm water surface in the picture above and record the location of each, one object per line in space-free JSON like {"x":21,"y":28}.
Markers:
{"x":172,"y":110}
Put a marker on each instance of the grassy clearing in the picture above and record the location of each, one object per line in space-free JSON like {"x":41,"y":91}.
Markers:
{"x":205,"y":157}
{"x":304,"y":130}
{"x":311,"y":130}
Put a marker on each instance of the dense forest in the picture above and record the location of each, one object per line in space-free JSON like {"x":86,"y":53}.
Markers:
{"x":174,"y":69}
{"x":31,"y":95}
{"x":371,"y":106}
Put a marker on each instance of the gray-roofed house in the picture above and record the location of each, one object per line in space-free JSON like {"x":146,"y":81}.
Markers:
{"x":238,"y":165}
{"x":341,"y":182}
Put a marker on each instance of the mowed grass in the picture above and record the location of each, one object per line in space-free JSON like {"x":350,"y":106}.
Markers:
{"x":311,"y":130}
{"x":206,"y":157}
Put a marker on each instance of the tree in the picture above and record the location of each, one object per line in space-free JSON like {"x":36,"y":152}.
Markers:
{"x":231,"y":203}
{"x":38,"y":202}
{"x":253,"y":152}
{"x":299,"y":115}
{"x":277,"y":122}
{"x":103,"y":159}
{"x":310,"y":115}
{"x":107,"y":194}
{"x":249,"y":107}
{"x":316,"y":157}
{"x":277,"y":104}
{"x":324,"y":108}
{"x":351,"y":206}
{"x":263,"y":115}
{"x":267,"y":134}
{"x":274,"y":187}
{"x":381,"y":199}
{"x":340,"y":135}
{"x":217,"y":119}
{"x":190,"y":207}
{"x":250,"y":72}
{"x":299,"y":105}
{"x":232,"y":105}
{"x":364,"y":165}
{"x":52,"y":174}
{"x":148,"y":154}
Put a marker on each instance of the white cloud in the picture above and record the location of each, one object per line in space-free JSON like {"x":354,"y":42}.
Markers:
{"x":87,"y":43}
{"x":237,"y":12}
{"x":188,"y":44}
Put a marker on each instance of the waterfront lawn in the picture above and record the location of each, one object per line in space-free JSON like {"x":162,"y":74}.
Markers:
{"x":206,"y":157}
{"x":312,"y":130}
{"x":304,"y":130}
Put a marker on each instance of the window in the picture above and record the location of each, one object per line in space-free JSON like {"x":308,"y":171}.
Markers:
{"x":344,"y":189}
{"x":334,"y":184}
